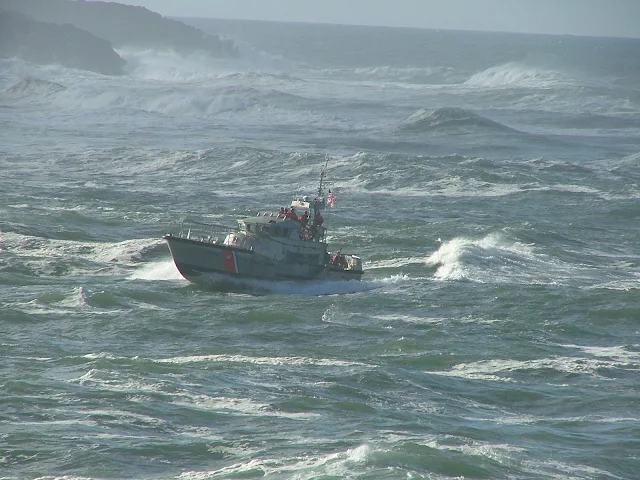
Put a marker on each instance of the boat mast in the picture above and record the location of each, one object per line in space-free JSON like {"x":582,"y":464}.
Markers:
{"x":318,"y":202}
{"x":323,"y":173}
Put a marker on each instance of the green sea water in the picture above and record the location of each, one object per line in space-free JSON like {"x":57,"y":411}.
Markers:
{"x":490,"y":182}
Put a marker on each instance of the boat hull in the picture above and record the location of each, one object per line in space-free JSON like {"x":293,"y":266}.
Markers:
{"x":197,"y":260}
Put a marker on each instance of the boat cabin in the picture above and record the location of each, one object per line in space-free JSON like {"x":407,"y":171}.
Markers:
{"x":269,"y":223}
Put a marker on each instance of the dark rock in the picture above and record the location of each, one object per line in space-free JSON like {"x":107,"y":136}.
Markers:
{"x":48,"y":43}
{"x":124,"y":25}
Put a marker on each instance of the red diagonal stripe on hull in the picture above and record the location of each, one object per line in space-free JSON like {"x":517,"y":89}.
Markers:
{"x":229,"y":257}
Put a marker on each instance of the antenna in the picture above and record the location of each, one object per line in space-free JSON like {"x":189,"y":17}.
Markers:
{"x":323,"y":173}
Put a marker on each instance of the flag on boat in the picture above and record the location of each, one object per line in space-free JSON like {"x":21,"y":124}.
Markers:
{"x":331,"y":199}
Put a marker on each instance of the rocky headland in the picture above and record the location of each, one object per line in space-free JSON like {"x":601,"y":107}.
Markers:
{"x":82,"y":34}
{"x":48,"y":43}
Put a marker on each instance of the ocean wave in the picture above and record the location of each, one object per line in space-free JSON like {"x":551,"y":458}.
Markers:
{"x":164,"y":270}
{"x":628,"y":165}
{"x":74,"y":94}
{"x":169,"y":66}
{"x":499,"y":259}
{"x":581,"y":107}
{"x":459,"y":176}
{"x":416,"y":75}
{"x":238,"y":406}
{"x":46,"y":257}
{"x":197,"y":67}
{"x":449,"y":118}
{"x":255,"y":75}
{"x":230,"y":99}
{"x":508,"y":370}
{"x":518,"y":74}
{"x":29,"y":86}
{"x":171,"y":99}
{"x":224,"y":283}
{"x":494,"y":259}
{"x":272,"y":361}
{"x":336,"y":464}
{"x":56,"y":301}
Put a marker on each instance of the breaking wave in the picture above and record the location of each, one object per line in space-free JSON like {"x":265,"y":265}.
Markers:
{"x":172,"y":100}
{"x":44,"y":257}
{"x":492,"y":259}
{"x":170,"y":66}
{"x":415,"y":75}
{"x":31,"y":85}
{"x":517,"y":74}
{"x":29,"y":89}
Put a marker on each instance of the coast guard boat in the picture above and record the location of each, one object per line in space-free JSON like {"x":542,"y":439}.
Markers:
{"x":289,"y":244}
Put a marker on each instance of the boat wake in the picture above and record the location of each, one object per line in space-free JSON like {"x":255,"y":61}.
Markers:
{"x":223,"y":283}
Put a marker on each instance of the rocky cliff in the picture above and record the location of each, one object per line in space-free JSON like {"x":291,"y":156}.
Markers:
{"x":48,"y":43}
{"x":123,"y":25}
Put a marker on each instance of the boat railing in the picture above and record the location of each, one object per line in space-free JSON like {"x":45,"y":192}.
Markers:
{"x":218,"y":233}
{"x":203,"y":232}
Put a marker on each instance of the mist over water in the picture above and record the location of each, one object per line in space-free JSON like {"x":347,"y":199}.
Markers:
{"x":490,"y":183}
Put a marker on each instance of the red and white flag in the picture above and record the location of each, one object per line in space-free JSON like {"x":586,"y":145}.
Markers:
{"x":331,"y":199}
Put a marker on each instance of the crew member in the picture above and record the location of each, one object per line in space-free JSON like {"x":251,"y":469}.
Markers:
{"x":304,"y":219}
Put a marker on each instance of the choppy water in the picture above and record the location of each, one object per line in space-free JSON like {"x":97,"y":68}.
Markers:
{"x":489,"y":181}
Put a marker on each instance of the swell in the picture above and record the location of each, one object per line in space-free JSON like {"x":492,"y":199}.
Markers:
{"x":34,"y":256}
{"x":450,"y":119}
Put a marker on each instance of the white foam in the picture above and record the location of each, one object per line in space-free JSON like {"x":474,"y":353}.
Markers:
{"x":410,"y":319}
{"x":388,"y":74}
{"x":496,"y":452}
{"x":531,"y":419}
{"x":170,"y":66}
{"x":337,"y":464}
{"x":448,"y":259}
{"x":242,"y":406}
{"x":95,"y":258}
{"x":201,"y":103}
{"x":116,"y":382}
{"x":502,"y":369}
{"x":126,"y":252}
{"x":165,"y":270}
{"x":496,"y":259}
{"x":394,"y":263}
{"x":451,"y":186}
{"x":617,"y":353}
{"x":620,"y":284}
{"x":516,"y":74}
{"x":295,"y":361}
